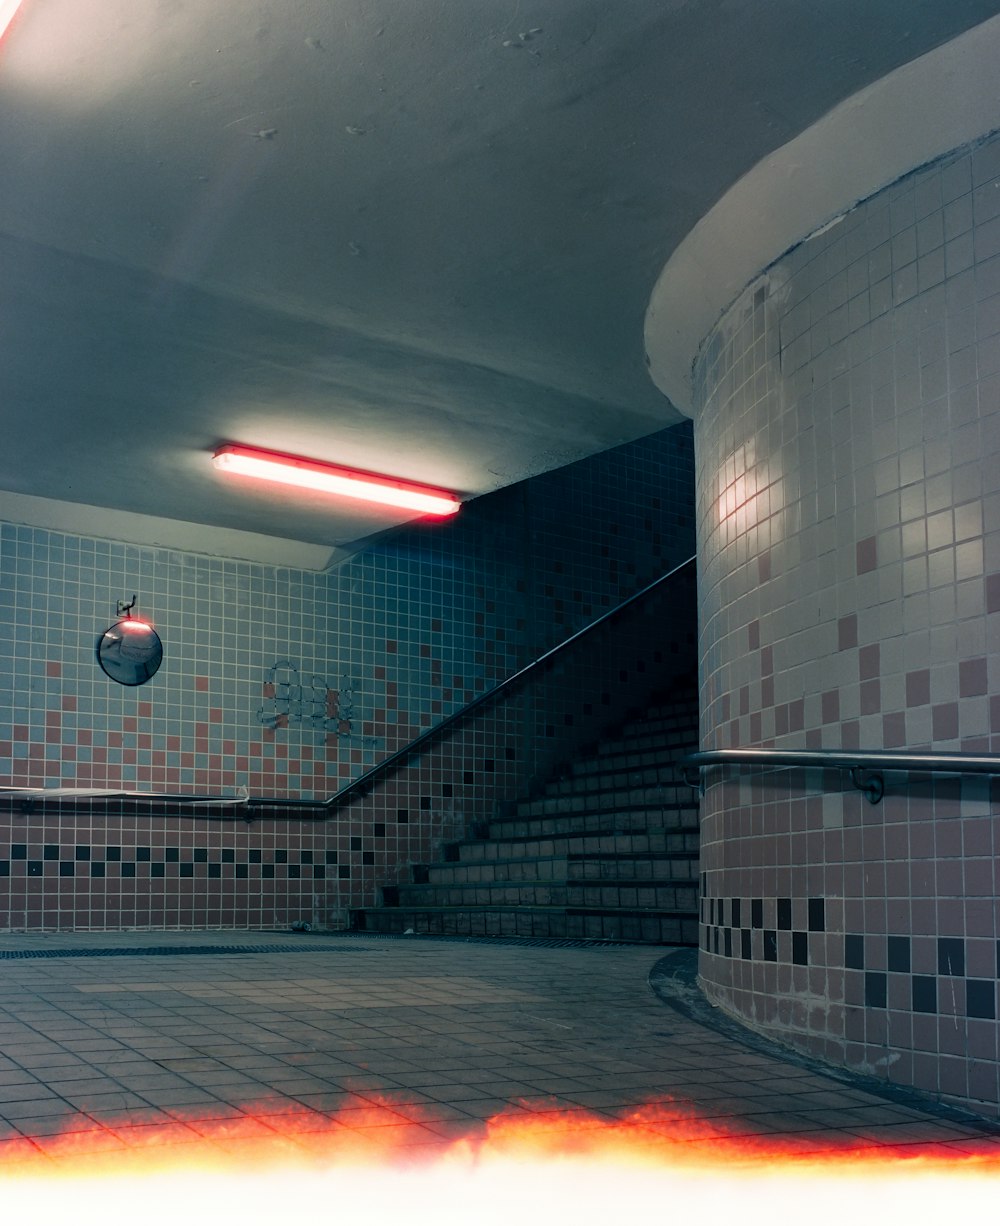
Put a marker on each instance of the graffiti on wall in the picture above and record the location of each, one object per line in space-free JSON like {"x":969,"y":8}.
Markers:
{"x":290,"y":698}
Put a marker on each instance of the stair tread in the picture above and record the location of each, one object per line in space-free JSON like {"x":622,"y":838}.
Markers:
{"x":580,"y":883}
{"x":576,"y":856}
{"x":668,"y":777}
{"x":589,"y":793}
{"x":581,"y":834}
{"x":623,"y":809}
{"x":549,"y":908}
{"x":601,"y":768}
{"x":425,"y":889}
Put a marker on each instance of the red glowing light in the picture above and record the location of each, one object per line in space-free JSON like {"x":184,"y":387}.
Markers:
{"x":331,"y":479}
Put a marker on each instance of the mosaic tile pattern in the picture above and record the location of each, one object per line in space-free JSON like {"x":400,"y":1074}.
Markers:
{"x":290,"y":683}
{"x":849,"y":548}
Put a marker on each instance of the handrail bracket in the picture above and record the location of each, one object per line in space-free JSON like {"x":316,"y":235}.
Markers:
{"x":870,"y":783}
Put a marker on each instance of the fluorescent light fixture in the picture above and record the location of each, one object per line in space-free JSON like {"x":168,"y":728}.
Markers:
{"x":7,"y":10}
{"x":330,"y":479}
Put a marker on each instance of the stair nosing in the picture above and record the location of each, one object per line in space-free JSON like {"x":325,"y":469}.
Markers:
{"x":573,"y":855}
{"x":617,"y":809}
{"x":584,"y":834}
{"x":567,"y":882}
{"x":551,"y":908}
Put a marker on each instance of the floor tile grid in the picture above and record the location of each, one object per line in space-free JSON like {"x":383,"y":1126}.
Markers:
{"x":440,"y":1066}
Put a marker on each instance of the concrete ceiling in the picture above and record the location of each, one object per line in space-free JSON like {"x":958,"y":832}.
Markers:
{"x":414,"y":236}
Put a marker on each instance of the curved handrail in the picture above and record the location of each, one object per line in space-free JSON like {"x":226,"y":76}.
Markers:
{"x":866,"y":766}
{"x":364,"y":782}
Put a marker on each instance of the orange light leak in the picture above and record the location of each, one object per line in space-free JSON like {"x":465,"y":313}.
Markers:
{"x":552,"y":1167}
{"x":8,"y":10}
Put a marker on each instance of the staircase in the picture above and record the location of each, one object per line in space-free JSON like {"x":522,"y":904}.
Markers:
{"x":609,"y":851}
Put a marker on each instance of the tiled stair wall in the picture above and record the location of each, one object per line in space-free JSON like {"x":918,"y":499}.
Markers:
{"x":607,"y":850}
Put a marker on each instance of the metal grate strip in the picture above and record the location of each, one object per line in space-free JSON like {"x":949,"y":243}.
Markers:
{"x":163,"y":951}
{"x":520,"y":942}
{"x":307,"y":947}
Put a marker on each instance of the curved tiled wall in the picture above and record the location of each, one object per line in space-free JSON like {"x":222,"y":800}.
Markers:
{"x":848,"y":450}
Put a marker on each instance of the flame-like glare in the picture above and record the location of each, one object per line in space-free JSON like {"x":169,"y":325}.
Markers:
{"x":551,"y":1166}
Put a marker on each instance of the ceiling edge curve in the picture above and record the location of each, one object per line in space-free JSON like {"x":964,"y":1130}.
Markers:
{"x":919,"y":112}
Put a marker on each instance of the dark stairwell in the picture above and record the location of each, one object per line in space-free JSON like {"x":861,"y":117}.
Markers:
{"x":606,"y":849}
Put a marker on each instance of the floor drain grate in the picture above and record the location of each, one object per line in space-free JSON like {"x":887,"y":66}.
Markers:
{"x":164,"y":951}
{"x":305,"y":946}
{"x":519,"y":942}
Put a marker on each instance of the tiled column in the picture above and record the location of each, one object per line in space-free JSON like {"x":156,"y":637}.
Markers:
{"x":848,"y":450}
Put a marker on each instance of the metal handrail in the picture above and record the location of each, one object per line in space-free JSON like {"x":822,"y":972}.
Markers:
{"x":866,"y":766}
{"x":388,"y":765}
{"x":364,"y":782}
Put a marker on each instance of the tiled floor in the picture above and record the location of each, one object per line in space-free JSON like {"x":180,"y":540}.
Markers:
{"x":412,"y":1042}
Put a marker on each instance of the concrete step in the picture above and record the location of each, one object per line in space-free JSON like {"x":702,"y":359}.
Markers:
{"x":676,"y":866}
{"x":614,"y":924}
{"x":681,"y":897}
{"x":677,"y":712}
{"x":679,"y":704}
{"x":597,"y":842}
{"x":611,"y":766}
{"x":642,"y":739}
{"x":668,"y":817}
{"x":600,"y":801}
{"x":622,"y":779}
{"x":686,"y":718}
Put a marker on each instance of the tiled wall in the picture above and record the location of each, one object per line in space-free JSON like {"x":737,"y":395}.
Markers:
{"x":288,"y":683}
{"x":848,"y":439}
